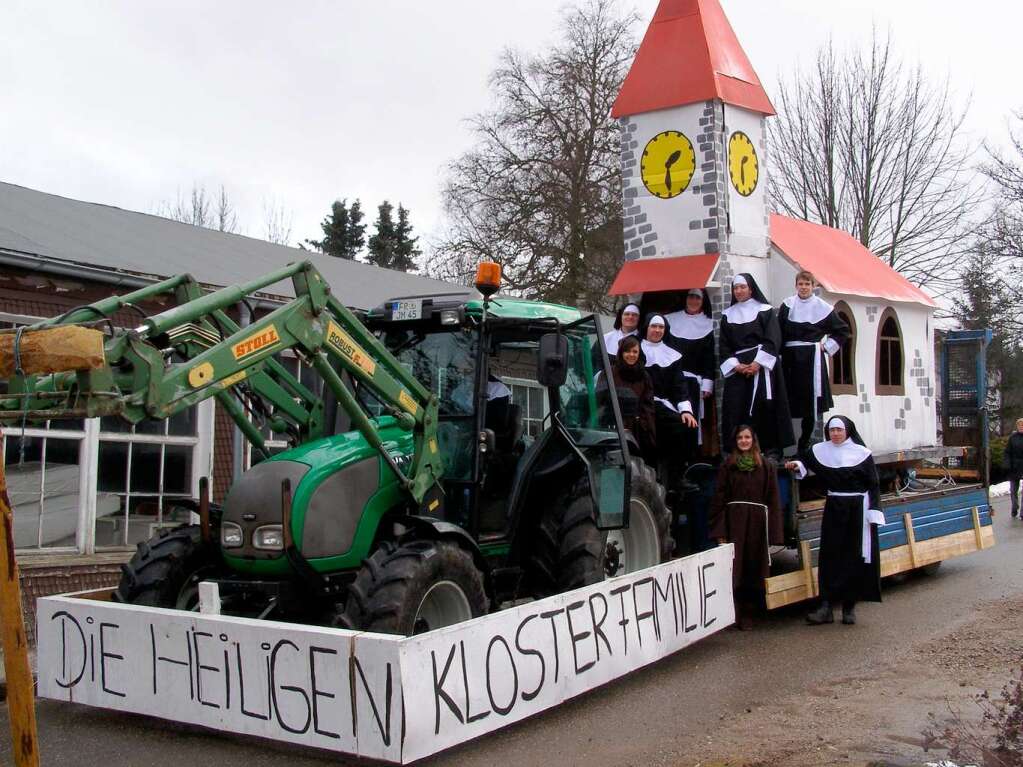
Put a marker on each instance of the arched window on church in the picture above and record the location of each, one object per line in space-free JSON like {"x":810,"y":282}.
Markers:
{"x":843,"y":363}
{"x":889,"y":354}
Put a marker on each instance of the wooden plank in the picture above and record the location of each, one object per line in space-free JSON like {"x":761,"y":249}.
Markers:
{"x":907,"y":522}
{"x":52,"y":350}
{"x":809,"y":578}
{"x":976,"y":528}
{"x":928,"y":473}
{"x":20,"y":687}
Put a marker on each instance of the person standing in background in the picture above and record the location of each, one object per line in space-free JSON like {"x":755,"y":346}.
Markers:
{"x":626,"y":324}
{"x":1014,"y":464}
{"x":691,"y":333}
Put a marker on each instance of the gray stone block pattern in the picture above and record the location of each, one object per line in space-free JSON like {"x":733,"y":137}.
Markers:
{"x":633,"y":215}
{"x":872,"y":312}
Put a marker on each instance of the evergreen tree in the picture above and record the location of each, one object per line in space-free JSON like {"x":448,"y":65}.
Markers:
{"x":383,"y":244}
{"x":343,"y":231}
{"x":393,"y":246}
{"x":406,"y":251}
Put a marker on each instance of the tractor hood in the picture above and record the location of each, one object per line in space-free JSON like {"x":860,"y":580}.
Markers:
{"x":340,"y":487}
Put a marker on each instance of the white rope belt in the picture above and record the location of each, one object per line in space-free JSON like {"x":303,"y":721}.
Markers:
{"x":767,"y":523}
{"x":818,"y":372}
{"x":870,"y":517}
{"x":756,"y":380}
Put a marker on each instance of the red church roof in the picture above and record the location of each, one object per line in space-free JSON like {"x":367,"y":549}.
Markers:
{"x":690,"y":54}
{"x":840,"y":263}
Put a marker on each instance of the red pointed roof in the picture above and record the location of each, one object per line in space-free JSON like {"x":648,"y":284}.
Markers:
{"x":689,"y":54}
{"x":840,"y":263}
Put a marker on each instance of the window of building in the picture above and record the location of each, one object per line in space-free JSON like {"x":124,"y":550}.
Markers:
{"x":889,"y":354}
{"x":79,"y":485}
{"x":843,"y":363}
{"x":532,"y":399}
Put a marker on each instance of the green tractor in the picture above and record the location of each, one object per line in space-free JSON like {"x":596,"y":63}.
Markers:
{"x":448,"y":456}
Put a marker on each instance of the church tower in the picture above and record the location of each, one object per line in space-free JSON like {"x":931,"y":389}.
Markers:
{"x":694,"y":156}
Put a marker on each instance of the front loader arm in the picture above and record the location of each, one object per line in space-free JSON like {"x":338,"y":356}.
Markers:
{"x":195,"y":351}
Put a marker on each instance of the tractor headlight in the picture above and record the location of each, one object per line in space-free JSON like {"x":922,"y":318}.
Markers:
{"x":449,"y":317}
{"x":269,"y":537}
{"x":231,"y":535}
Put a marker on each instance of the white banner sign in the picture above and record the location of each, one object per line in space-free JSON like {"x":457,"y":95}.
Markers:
{"x":370,"y":694}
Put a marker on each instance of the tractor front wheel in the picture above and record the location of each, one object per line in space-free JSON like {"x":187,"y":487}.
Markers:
{"x":412,"y":588}
{"x":165,"y":570}
{"x":647,"y":540}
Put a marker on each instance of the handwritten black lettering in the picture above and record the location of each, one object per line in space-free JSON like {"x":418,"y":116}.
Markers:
{"x":550,"y":615}
{"x":65,"y":617}
{"x":103,"y":655}
{"x":705,"y":595}
{"x":439,"y":693}
{"x":199,"y":668}
{"x":598,"y":632}
{"x":528,"y":696}
{"x":383,"y":724}
{"x":576,"y":638}
{"x":241,"y":688}
{"x":469,"y":716}
{"x":664,"y":595}
{"x":289,"y":688}
{"x":646,"y":615}
{"x":685,"y":605}
{"x":623,"y":621}
{"x":502,"y":710}
{"x":316,"y":692}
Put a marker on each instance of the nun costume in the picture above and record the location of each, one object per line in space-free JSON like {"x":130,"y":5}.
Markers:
{"x":674,"y":397}
{"x":749,"y":333}
{"x":811,"y":331}
{"x":849,"y":566}
{"x":626,"y":324}
{"x":692,"y":335}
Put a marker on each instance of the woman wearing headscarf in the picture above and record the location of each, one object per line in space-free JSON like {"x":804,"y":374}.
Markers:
{"x":629,"y":371}
{"x":674,"y":395}
{"x":749,"y":344}
{"x":626,"y":324}
{"x":691,"y":333}
{"x":849,"y":565}
{"x":746,"y":512}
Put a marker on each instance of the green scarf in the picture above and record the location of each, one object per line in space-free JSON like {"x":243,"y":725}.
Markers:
{"x":745,"y":462}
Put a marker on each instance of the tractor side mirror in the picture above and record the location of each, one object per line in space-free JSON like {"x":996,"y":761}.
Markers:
{"x":552,"y":363}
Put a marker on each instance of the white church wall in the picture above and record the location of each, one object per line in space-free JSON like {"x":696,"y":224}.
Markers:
{"x":890,"y":422}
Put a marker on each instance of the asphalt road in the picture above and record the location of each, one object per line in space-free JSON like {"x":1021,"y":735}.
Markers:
{"x":642,"y":719}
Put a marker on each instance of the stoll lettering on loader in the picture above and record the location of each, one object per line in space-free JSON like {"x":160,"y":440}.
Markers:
{"x":409,"y":499}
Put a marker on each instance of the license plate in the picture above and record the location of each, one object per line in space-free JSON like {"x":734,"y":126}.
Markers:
{"x":407,"y":310}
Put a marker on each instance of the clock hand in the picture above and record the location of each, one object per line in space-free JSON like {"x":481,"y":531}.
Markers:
{"x":742,"y":169}
{"x":672,"y":159}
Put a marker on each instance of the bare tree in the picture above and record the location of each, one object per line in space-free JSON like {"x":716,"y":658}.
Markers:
{"x":1005,"y":170}
{"x":277,"y":222}
{"x":541,"y":191}
{"x":866,"y":144}
{"x":200,"y":209}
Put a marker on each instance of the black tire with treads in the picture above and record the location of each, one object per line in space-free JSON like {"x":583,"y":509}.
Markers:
{"x":163,"y":566}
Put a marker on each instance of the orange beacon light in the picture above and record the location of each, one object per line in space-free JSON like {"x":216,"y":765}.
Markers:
{"x":488,"y":278}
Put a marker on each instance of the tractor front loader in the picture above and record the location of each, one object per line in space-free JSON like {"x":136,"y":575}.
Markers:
{"x":412,"y":496}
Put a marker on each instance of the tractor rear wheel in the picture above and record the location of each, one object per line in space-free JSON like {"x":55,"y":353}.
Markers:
{"x":647,"y":541}
{"x":165,"y":570}
{"x":412,"y":588}
{"x":569,"y":551}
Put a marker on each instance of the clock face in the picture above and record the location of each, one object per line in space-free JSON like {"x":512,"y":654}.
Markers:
{"x":668,"y":164}
{"x":743,"y":167}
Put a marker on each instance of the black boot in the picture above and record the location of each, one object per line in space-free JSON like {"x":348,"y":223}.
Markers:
{"x":822,"y":614}
{"x":849,"y":613}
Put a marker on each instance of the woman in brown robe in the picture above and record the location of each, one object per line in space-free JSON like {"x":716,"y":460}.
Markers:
{"x":746,"y":512}
{"x":629,"y":371}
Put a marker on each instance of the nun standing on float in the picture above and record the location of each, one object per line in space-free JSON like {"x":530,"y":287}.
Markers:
{"x":691,"y":333}
{"x":749,"y":346}
{"x":674,"y":398}
{"x":626,"y":324}
{"x":849,"y":565}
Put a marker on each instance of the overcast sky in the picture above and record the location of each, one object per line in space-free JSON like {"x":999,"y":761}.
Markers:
{"x":129,"y":103}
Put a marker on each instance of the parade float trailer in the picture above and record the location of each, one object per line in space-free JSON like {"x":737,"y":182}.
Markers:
{"x":695,"y":167}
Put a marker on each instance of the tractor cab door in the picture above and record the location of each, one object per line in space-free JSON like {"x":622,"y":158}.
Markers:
{"x":585,"y":415}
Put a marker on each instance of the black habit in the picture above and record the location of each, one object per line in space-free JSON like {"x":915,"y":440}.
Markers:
{"x":674,"y":394}
{"x":804,"y":325}
{"x":749,"y":332}
{"x":849,"y":565}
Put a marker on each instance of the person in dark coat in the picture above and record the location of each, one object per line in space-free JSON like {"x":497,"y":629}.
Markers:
{"x":691,"y":333}
{"x":746,"y":512}
{"x":674,"y":397}
{"x":629,"y":371}
{"x":1014,"y":464}
{"x":626,"y":324}
{"x":849,"y":565}
{"x":749,"y":345}
{"x":811,"y":331}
